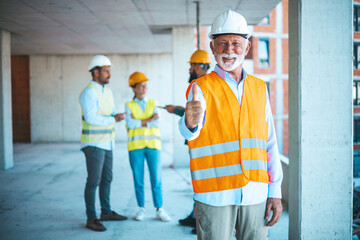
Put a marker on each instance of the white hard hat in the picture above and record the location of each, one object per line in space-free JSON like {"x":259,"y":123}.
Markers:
{"x":99,"y":61}
{"x":229,"y":22}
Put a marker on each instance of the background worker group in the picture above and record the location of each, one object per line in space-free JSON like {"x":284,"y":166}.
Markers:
{"x":98,"y":142}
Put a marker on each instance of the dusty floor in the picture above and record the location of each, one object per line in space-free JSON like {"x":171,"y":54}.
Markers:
{"x":42,"y":198}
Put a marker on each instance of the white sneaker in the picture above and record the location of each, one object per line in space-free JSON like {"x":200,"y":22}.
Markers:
{"x":162,"y":215}
{"x":140,"y":214}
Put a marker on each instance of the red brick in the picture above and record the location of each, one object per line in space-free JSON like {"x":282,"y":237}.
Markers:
{"x":249,"y":55}
{"x":272,"y":90}
{"x":285,"y":96}
{"x":285,"y":5}
{"x":285,"y":55}
{"x":285,"y":137}
{"x":356,"y":35}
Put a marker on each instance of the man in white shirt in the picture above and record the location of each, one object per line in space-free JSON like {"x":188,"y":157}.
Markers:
{"x":98,"y":141}
{"x":235,"y":164}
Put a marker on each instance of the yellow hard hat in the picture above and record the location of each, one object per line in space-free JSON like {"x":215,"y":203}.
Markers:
{"x":137,"y":77}
{"x":200,"y":56}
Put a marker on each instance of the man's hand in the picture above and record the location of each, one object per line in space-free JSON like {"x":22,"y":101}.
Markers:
{"x":170,"y":108}
{"x":193,"y":110}
{"x":119,"y":117}
{"x":273,"y":204}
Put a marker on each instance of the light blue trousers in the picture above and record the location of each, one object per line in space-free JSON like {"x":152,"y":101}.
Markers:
{"x":153,"y":161}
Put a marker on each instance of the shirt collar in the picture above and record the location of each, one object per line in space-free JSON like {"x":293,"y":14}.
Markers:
{"x":227,"y":76}
{"x":98,"y":85}
{"x":141,"y":101}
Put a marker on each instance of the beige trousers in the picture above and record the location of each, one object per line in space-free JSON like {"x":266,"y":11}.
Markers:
{"x":218,"y":223}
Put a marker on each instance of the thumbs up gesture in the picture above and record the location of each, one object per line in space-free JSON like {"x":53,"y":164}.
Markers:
{"x":193,"y":110}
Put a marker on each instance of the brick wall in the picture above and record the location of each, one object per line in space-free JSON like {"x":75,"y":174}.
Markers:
{"x":272,"y":90}
{"x":272,"y":57}
{"x":272,"y":24}
{"x":285,"y":55}
{"x":286,"y":121}
{"x":278,"y":80}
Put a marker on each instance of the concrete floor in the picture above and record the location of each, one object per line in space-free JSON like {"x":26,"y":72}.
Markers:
{"x":42,"y":198}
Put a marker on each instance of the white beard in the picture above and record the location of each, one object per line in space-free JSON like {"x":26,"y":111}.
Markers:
{"x":239,"y":59}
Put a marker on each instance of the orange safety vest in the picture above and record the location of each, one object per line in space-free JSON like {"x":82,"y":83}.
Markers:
{"x":231,"y":148}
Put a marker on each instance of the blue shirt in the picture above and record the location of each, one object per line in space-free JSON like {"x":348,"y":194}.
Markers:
{"x":253,"y":192}
{"x":90,"y":106}
{"x":136,"y":123}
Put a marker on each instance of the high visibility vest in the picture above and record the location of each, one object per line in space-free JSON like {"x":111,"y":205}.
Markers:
{"x":143,"y":137}
{"x":231,"y":148}
{"x":93,"y":133}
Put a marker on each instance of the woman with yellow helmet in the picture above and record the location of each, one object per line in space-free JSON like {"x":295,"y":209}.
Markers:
{"x":144,"y":143}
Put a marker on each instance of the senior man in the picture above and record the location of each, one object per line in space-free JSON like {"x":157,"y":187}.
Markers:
{"x":235,"y":164}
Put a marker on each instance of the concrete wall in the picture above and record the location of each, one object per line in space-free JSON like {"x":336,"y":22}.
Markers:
{"x":57,"y":80}
{"x":6,"y":147}
{"x":320,"y":99}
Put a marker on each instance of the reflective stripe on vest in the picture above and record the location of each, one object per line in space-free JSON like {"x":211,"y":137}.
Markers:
{"x":253,"y":143}
{"x":227,"y":147}
{"x":224,"y":148}
{"x":94,"y":133}
{"x":231,"y":148}
{"x":214,"y":149}
{"x":143,"y":137}
{"x":229,"y":170}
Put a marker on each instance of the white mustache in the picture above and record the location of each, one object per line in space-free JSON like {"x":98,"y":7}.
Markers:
{"x":231,"y":55}
{"x":227,"y":66}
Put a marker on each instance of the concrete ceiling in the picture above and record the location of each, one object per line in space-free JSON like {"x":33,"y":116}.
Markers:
{"x":110,"y":26}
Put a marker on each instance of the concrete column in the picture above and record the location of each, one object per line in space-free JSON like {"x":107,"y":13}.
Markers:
{"x":6,"y":140}
{"x":182,"y":48}
{"x":320,"y":98}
